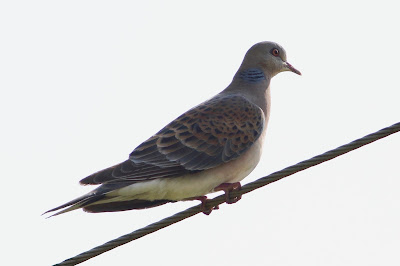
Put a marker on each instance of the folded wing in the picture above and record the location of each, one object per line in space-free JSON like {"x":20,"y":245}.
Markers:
{"x":212,"y":133}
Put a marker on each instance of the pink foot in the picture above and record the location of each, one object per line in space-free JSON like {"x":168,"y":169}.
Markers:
{"x":203,"y":207}
{"x":228,"y":188}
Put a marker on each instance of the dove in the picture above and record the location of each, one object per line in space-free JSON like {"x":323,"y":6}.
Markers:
{"x":209,"y":148}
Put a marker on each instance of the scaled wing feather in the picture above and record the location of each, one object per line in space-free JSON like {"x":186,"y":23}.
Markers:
{"x":210,"y":134}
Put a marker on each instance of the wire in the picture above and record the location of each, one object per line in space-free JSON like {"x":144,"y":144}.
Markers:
{"x":221,"y":199}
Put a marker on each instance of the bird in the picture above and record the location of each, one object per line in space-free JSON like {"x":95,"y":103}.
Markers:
{"x":211,"y":147}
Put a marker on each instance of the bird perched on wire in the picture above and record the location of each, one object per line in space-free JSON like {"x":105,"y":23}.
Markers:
{"x":211,"y":147}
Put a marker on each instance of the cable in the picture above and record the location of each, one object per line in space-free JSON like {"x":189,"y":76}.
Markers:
{"x":221,"y":199}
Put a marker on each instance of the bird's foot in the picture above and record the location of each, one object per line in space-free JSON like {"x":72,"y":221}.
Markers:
{"x":203,"y":207}
{"x":228,"y":188}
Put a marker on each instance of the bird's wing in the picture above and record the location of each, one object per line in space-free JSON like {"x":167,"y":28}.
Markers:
{"x":210,"y":134}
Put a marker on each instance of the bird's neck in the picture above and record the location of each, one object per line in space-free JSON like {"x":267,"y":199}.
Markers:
{"x":252,"y":83}
{"x":251,"y":75}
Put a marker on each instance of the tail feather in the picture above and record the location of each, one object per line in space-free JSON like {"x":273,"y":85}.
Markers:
{"x":75,"y":204}
{"x":124,"y":205}
{"x":95,"y":203}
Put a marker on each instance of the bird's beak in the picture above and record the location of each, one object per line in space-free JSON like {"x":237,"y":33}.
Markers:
{"x":289,"y":67}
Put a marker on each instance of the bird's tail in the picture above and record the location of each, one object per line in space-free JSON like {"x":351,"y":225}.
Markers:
{"x":76,"y":203}
{"x":99,"y":202}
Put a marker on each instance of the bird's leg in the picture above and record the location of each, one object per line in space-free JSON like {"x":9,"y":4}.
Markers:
{"x":203,"y":207}
{"x":228,"y":188}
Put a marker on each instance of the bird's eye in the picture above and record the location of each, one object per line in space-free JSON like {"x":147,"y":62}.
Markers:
{"x":275,"y":52}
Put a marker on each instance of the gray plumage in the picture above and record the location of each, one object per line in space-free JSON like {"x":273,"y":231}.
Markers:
{"x":217,"y":142}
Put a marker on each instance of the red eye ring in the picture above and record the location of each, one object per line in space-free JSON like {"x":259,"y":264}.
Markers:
{"x":275,"y":52}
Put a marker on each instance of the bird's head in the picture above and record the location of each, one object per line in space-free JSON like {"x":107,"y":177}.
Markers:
{"x":268,"y":56}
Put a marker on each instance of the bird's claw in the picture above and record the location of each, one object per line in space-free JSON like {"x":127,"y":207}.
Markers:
{"x":228,"y":188}
{"x":203,"y":207}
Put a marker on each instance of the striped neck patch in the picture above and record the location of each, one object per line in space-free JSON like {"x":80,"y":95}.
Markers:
{"x":252,"y":75}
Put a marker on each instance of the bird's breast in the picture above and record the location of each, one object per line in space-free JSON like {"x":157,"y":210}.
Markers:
{"x":204,"y":182}
{"x":197,"y":184}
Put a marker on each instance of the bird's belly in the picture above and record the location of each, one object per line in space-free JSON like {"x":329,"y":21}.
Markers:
{"x":197,"y":184}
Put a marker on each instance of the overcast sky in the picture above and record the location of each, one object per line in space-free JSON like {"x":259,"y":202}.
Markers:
{"x":84,"y":82}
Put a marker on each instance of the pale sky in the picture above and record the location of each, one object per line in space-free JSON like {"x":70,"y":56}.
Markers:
{"x":84,"y":82}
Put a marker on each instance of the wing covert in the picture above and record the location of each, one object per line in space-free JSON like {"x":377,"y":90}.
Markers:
{"x":214,"y":132}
